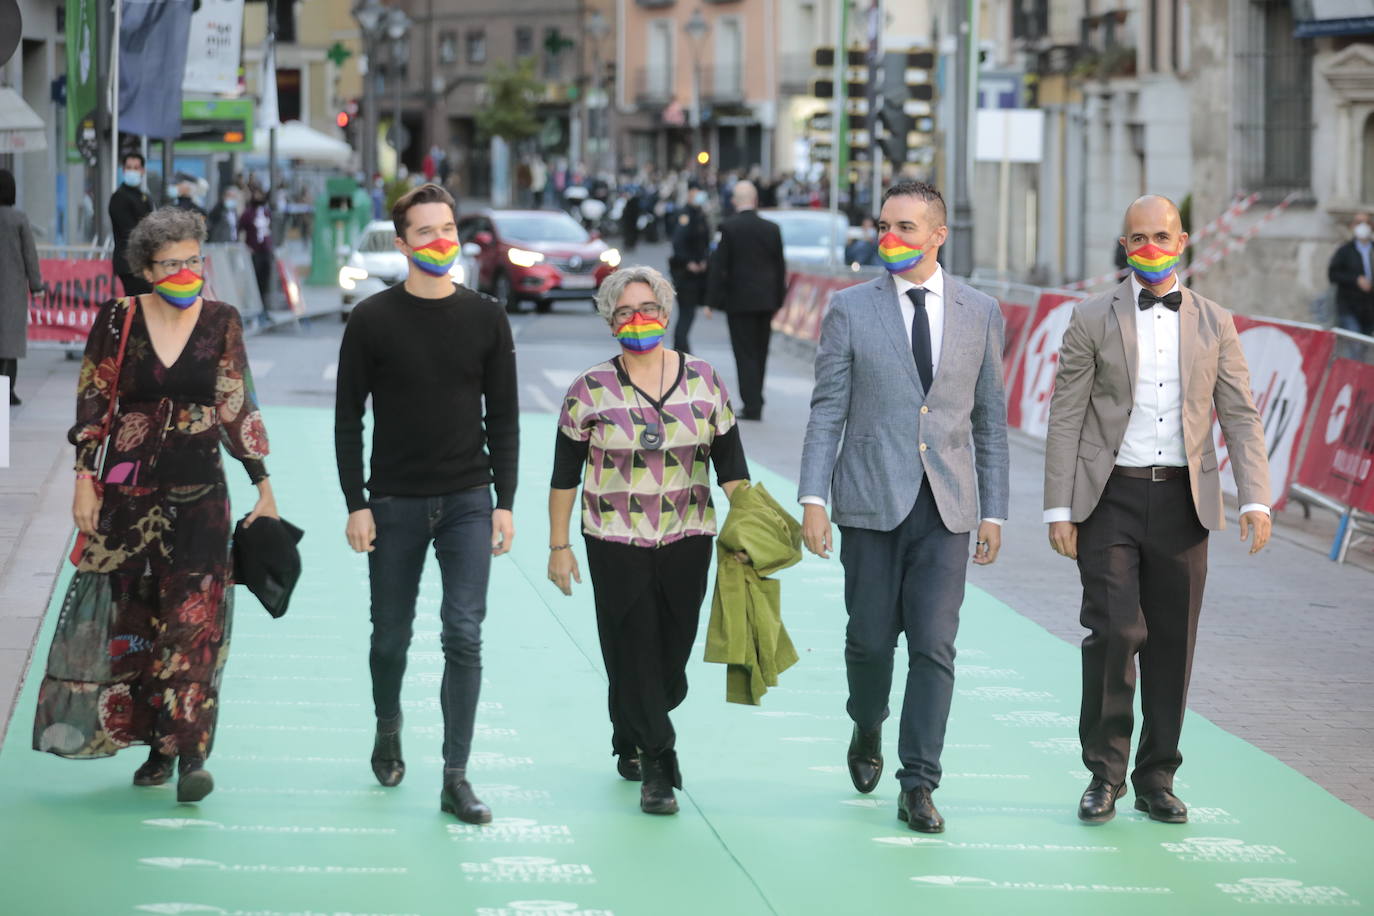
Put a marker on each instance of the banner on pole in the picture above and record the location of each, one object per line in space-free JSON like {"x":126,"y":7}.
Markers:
{"x":82,"y":94}
{"x":152,"y":44}
{"x":212,"y":64}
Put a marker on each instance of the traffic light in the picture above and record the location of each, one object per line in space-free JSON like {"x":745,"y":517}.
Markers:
{"x":855,"y":74}
{"x":341,"y":119}
{"x":903,"y":119}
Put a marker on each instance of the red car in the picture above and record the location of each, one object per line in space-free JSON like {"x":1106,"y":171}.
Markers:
{"x":537,"y":256}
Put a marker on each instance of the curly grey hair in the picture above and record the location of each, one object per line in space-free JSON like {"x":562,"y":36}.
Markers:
{"x":613,"y":287}
{"x":159,"y":229}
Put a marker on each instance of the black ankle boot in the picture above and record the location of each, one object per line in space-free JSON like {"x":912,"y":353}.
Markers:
{"x":194,"y":782}
{"x":627,"y":765}
{"x":660,"y":776}
{"x":458,"y":799}
{"x":156,"y":770}
{"x":387,"y":764}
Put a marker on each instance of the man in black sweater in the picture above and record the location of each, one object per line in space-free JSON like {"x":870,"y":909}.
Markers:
{"x":129,"y":204}
{"x":748,"y":280}
{"x":439,"y":364}
{"x":1351,"y":273}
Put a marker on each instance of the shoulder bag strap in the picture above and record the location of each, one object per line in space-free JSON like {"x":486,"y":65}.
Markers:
{"x":130,"y":303}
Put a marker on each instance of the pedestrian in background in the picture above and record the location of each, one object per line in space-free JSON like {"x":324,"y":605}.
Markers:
{"x":223,"y":223}
{"x":140,"y":653}
{"x":691,"y":238}
{"x":128,"y":205}
{"x":19,"y":276}
{"x":255,"y":228}
{"x":864,"y":249}
{"x":186,"y":191}
{"x":748,"y":281}
{"x":1350,"y":272}
{"x":643,"y":425}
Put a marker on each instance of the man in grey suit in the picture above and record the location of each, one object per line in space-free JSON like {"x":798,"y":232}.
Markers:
{"x":1132,"y":491}
{"x":909,"y":373}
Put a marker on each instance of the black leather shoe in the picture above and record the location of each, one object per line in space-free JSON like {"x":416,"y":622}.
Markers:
{"x":156,"y":770}
{"x":1162,"y":805}
{"x":627,"y":765}
{"x":866,"y":758}
{"x":458,"y":799}
{"x":194,"y":781}
{"x":387,"y":763}
{"x":1098,"y":804}
{"x":916,"y":808}
{"x":660,"y":775}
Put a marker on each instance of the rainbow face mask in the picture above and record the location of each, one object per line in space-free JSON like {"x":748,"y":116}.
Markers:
{"x":181,"y":289}
{"x":640,"y":334}
{"x":436,"y":257}
{"x":897,"y":256}
{"x":1151,"y":263}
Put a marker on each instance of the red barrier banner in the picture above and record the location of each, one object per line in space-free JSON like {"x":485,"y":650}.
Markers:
{"x":1286,"y":367}
{"x":1017,"y":320}
{"x":803,"y":308}
{"x":74,"y":291}
{"x":1030,"y":387}
{"x":1340,"y":450}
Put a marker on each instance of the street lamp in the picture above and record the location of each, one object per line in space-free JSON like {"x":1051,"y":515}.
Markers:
{"x":397,"y":25}
{"x":369,"y":16}
{"x":597,"y":28}
{"x":697,"y":28}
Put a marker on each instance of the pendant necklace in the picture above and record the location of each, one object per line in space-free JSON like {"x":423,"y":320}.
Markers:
{"x":651,"y":436}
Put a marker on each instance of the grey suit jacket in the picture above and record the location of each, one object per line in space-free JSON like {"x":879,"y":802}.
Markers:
{"x":894,"y":432}
{"x":1094,"y":393}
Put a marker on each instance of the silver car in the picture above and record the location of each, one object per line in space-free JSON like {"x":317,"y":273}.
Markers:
{"x":373,"y":264}
{"x":811,"y":236}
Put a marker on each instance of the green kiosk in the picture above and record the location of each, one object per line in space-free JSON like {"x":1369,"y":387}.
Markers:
{"x":341,"y":213}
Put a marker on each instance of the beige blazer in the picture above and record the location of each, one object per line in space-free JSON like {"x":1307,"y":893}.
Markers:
{"x":1094,"y":391}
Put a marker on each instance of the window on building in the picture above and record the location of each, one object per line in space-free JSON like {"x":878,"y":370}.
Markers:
{"x":1275,"y":104}
{"x":289,"y":94}
{"x":553,"y":54}
{"x":658,"y":81}
{"x":477,"y":46}
{"x":448,"y":48}
{"x":524,"y":41}
{"x":729,"y":75}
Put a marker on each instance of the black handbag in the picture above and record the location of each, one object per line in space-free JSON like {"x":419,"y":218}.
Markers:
{"x":267,"y":562}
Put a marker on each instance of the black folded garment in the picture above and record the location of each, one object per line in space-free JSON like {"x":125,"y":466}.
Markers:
{"x":267,"y":561}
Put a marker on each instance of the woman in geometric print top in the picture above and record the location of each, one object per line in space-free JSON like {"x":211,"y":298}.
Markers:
{"x":156,"y":562}
{"x":644,"y":426}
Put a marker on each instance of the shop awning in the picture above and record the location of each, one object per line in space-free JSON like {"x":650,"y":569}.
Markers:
{"x":298,"y":141}
{"x":1318,"y":18}
{"x":21,"y":129}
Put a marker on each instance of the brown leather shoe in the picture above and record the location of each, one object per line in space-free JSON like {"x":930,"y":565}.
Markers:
{"x":1098,"y":804}
{"x":1162,"y":805}
{"x":865,"y":758}
{"x":918,"y":810}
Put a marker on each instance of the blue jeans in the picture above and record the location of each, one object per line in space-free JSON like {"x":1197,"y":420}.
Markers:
{"x":459,"y":526}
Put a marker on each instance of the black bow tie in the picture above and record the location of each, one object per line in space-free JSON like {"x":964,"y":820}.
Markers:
{"x":1170,"y":301}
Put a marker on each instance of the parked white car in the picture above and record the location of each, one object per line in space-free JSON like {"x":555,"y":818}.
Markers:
{"x":811,"y":236}
{"x":373,"y":264}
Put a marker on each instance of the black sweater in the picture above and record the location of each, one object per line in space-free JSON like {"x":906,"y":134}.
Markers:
{"x":431,"y":366}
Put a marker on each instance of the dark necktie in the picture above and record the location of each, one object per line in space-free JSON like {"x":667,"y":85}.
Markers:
{"x":920,"y":336}
{"x":1170,"y":301}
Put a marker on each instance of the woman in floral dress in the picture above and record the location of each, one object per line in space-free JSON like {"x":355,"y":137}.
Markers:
{"x":144,"y":631}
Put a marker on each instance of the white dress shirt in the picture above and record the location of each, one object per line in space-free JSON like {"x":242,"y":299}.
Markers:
{"x":935,"y":314}
{"x":1154,"y":432}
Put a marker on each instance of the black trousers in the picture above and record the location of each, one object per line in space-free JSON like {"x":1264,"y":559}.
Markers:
{"x":691,"y":292}
{"x":648,"y":605}
{"x":1142,"y":557}
{"x":749,"y":336}
{"x":10,"y":368}
{"x":908,"y":580}
{"x":262,"y":269}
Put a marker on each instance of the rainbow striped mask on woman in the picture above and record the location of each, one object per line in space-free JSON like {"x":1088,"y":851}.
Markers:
{"x":436,"y":257}
{"x":640,"y":334}
{"x":1151,"y":263}
{"x":897,"y":256}
{"x":181,"y":289}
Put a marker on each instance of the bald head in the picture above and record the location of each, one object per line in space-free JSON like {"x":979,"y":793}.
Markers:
{"x":745,"y":196}
{"x":1154,"y":209}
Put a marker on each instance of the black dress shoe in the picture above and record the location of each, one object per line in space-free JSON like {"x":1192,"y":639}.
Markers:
{"x":194,"y":781}
{"x":458,"y":799}
{"x":660,"y":776}
{"x":627,"y":765}
{"x":918,"y":810}
{"x":156,"y":770}
{"x":1098,"y":804}
{"x":866,"y":758}
{"x":1162,"y":805}
{"x":387,"y":764}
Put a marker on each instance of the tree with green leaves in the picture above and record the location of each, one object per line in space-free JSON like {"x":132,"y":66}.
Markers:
{"x":512,"y":96}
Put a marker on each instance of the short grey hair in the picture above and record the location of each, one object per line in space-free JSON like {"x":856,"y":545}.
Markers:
{"x":613,"y":287}
{"x":159,"y":229}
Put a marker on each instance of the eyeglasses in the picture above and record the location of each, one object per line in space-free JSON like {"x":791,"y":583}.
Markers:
{"x":626,"y":312}
{"x":174,"y":265}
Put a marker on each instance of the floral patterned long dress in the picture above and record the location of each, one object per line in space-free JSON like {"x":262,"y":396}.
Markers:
{"x":144,"y":629}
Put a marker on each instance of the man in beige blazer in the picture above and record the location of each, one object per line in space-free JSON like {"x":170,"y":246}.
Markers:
{"x":1132,"y":491}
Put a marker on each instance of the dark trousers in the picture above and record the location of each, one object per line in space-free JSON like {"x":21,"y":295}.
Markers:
{"x":908,"y":580}
{"x":691,"y":291}
{"x":262,"y":268}
{"x":459,"y":527}
{"x":1142,"y":556}
{"x":648,"y":605}
{"x":134,"y":285}
{"x":10,"y":369}
{"x":749,"y":336}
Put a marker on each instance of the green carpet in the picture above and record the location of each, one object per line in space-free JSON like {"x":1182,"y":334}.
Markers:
{"x":769,"y":822}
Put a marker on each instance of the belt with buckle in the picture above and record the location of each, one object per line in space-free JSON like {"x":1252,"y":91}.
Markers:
{"x":1153,"y":474}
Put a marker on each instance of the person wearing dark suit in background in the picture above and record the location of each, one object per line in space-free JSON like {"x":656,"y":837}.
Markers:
{"x":1350,"y":271}
{"x":129,"y":204}
{"x":185,"y":199}
{"x":691,"y":238}
{"x":747,"y":281}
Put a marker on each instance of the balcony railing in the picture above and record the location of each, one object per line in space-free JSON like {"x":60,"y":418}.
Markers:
{"x":653,"y":86}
